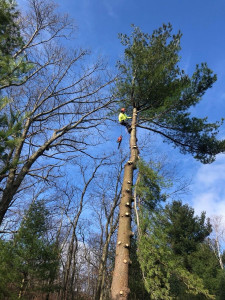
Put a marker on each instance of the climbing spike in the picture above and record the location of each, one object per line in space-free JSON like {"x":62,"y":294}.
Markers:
{"x":127,"y":214}
{"x":129,"y":162}
{"x":128,"y":182}
{"x":121,"y":292}
{"x":127,"y":190}
{"x":125,"y":261}
{"x":127,"y":204}
{"x":119,"y":243}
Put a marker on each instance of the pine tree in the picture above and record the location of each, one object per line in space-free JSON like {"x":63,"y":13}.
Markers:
{"x":13,"y":65}
{"x":185,"y":230}
{"x":175,"y":261}
{"x":35,"y":259}
{"x":159,"y":96}
{"x":13,"y":70}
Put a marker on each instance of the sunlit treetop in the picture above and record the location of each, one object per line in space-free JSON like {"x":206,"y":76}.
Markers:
{"x":152,"y":81}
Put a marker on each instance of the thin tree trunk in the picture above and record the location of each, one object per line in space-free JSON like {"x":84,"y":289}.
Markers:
{"x":68,"y":267}
{"x":23,"y":286}
{"x":102,"y":268}
{"x":73,"y":270}
{"x":219,"y":253}
{"x":120,"y":288}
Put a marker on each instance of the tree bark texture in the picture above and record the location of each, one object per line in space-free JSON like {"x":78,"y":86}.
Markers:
{"x":120,"y":288}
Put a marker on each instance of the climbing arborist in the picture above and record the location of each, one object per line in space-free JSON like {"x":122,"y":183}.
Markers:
{"x":122,"y":119}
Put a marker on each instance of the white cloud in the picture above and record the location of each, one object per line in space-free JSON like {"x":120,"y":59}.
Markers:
{"x":208,"y":188}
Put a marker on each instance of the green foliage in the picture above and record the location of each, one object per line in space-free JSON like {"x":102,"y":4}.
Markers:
{"x":173,"y":257}
{"x":221,"y":287}
{"x":185,"y":230}
{"x":136,"y":284}
{"x":152,"y":81}
{"x":153,"y":254}
{"x":10,"y":135}
{"x":12,"y":67}
{"x":9,"y":275}
{"x":10,"y":38}
{"x":34,"y":258}
{"x":150,"y":184}
{"x":13,"y":70}
{"x":204,"y":263}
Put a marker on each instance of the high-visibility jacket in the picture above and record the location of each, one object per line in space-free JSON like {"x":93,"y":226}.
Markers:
{"x":123,"y":117}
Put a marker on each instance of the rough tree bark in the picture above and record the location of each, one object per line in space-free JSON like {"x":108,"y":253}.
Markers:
{"x":120,"y":288}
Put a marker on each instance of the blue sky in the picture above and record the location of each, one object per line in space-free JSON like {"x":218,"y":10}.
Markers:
{"x":202,"y":23}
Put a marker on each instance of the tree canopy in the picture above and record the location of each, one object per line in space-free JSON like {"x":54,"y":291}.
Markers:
{"x":152,"y":81}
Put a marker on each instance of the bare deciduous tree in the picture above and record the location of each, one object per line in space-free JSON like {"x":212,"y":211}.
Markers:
{"x":72,"y":243}
{"x":62,"y":102}
{"x":217,"y":237}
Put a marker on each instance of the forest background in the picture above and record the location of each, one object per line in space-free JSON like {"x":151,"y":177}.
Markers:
{"x":78,"y":190}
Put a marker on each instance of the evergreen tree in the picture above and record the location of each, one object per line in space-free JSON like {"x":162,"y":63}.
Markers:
{"x":10,"y":278}
{"x":185,"y":231}
{"x":153,"y":83}
{"x":159,"y":96}
{"x":34,"y":258}
{"x":13,"y":65}
{"x":204,"y":263}
{"x":137,"y":286}
{"x":221,"y":287}
{"x":176,"y":263}
{"x":13,"y":70}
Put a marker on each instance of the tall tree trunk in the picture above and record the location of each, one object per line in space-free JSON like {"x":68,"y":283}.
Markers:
{"x":120,"y":288}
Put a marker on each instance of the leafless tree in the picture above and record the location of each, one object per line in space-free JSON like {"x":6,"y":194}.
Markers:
{"x":62,"y":102}
{"x":71,"y":243}
{"x":217,"y":237}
